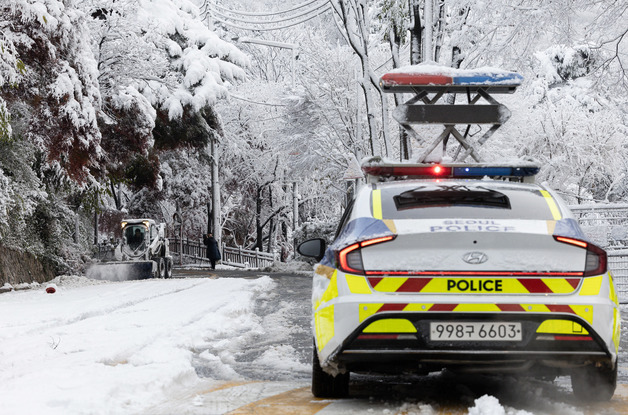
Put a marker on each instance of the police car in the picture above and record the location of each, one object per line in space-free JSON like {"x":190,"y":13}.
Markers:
{"x":450,"y":269}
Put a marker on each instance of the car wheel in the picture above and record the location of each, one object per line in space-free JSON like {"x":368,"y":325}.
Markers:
{"x":161,"y":267}
{"x":592,"y":383}
{"x":168,"y":267}
{"x":325,"y":385}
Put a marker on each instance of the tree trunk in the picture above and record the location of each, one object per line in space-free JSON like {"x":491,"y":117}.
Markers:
{"x":429,"y":30}
{"x":258,"y":219}
{"x":216,"y":205}
{"x":115,"y":195}
{"x":440,"y":30}
{"x":271,"y":225}
{"x":395,"y":42}
{"x":416,"y":30}
{"x":357,"y":35}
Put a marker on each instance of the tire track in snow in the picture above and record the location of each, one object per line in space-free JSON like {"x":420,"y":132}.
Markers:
{"x":82,"y":316}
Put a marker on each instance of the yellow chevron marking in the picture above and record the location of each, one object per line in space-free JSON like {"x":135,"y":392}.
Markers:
{"x":377,"y":203}
{"x":296,"y":401}
{"x":612,"y":292}
{"x":561,"y":327}
{"x":535,"y":308}
{"x":552,"y":204}
{"x":558,"y":285}
{"x":331,"y":291}
{"x":477,"y":307}
{"x":367,"y":310}
{"x":584,"y":311}
{"x":391,"y":325}
{"x":617,"y":329}
{"x":390,"y":285}
{"x":417,"y":307}
{"x":357,"y":284}
{"x":324,"y":326}
{"x":591,"y":285}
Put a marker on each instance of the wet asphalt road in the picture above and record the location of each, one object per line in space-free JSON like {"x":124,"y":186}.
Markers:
{"x":448,"y":392}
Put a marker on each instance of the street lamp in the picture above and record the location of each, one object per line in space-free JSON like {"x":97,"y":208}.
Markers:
{"x":272,"y":43}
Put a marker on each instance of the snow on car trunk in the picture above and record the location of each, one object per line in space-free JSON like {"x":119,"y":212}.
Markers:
{"x":473,"y":245}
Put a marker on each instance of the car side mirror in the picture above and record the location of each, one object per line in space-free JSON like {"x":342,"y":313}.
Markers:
{"x":314,"y":248}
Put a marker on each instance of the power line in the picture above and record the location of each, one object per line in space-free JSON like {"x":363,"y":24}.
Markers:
{"x":318,"y":6}
{"x":320,"y":11}
{"x":257,"y":102}
{"x":243,"y":13}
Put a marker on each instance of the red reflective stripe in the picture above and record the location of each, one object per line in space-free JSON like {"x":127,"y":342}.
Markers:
{"x":413,"y":285}
{"x":581,"y":338}
{"x":392,"y":307}
{"x":560,"y":308}
{"x":374,"y":281}
{"x":443,"y":307}
{"x":574,"y":282}
{"x":535,"y":285}
{"x":510,"y":307}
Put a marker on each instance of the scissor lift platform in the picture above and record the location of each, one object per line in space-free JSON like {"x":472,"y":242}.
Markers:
{"x":429,"y":83}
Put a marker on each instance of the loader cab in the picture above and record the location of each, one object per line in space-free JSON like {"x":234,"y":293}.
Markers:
{"x":135,"y":235}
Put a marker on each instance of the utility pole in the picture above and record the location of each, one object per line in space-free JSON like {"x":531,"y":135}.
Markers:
{"x":415,"y":33}
{"x":429,"y":26}
{"x":216,"y":207}
{"x":295,"y":205}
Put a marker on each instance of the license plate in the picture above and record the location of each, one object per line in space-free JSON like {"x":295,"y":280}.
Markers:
{"x":472,"y":331}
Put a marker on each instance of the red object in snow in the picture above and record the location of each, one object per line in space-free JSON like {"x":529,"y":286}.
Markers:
{"x":51,"y":290}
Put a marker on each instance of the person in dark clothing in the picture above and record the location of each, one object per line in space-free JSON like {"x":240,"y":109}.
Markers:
{"x":213,"y":253}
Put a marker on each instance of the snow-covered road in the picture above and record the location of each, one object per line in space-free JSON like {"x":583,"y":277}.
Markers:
{"x":121,"y":347}
{"x":212,"y":346}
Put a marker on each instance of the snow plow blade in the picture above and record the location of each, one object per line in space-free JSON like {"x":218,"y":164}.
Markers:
{"x":121,"y":271}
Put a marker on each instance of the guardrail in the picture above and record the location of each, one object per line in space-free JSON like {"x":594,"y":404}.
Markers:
{"x":246,"y":258}
{"x":607,"y":226}
{"x":237,"y":257}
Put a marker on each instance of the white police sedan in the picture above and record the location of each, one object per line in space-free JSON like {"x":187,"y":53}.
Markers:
{"x":474,"y":275}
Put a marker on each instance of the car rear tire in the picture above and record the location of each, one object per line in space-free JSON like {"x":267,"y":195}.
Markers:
{"x":168,"y":267}
{"x":161,"y":267}
{"x":325,"y":385}
{"x":594,"y":384}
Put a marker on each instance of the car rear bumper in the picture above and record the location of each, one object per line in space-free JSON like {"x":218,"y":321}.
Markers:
{"x":366,"y":350}
{"x":345,"y":340}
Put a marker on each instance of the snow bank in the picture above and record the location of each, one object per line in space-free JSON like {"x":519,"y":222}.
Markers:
{"x":115,"y":347}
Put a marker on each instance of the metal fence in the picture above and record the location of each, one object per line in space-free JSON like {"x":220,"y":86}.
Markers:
{"x":238,"y":257}
{"x":607,"y":226}
{"x":243,"y":257}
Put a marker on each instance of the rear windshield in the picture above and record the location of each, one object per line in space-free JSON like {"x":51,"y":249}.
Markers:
{"x":433,"y":201}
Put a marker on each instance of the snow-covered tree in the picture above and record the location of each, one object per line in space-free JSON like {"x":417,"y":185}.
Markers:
{"x":54,"y":103}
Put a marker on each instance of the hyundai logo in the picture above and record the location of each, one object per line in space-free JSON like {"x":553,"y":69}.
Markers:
{"x":475,"y":258}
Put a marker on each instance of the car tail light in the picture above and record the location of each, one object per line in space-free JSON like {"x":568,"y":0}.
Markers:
{"x":350,"y":258}
{"x":596,"y":261}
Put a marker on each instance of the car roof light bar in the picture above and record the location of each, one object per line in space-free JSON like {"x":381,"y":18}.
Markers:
{"x":449,"y":171}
